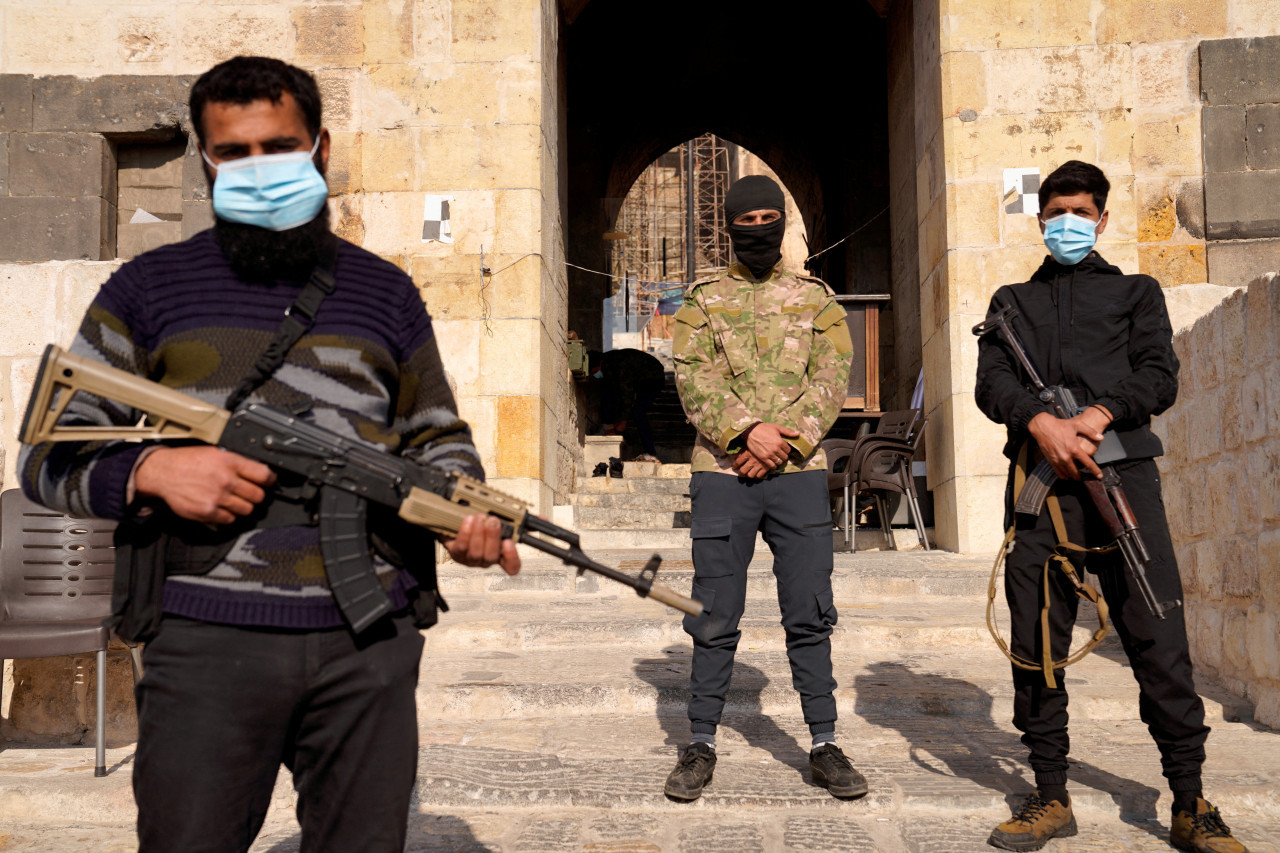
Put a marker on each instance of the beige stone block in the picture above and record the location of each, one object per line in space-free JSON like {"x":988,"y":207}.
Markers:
{"x":519,"y":436}
{"x":143,"y":41}
{"x":515,"y":287}
{"x":450,"y":285}
{"x":1122,"y":216}
{"x":481,"y":157}
{"x":388,"y":31}
{"x":934,"y":297}
{"x":211,"y":34}
{"x":964,"y":83}
{"x":1271,"y":382}
{"x":1116,"y":130}
{"x":344,"y":172}
{"x":432,"y":31}
{"x":1263,"y":639}
{"x":388,"y":160}
{"x":1202,"y":426}
{"x":973,"y":214}
{"x":469,"y":94}
{"x":1173,"y":265}
{"x":1269,"y":580}
{"x":347,"y":215}
{"x":1262,"y":325}
{"x":1235,"y":640}
{"x":979,"y":502}
{"x":76,"y":287}
{"x":932,"y":238}
{"x":1166,"y":75}
{"x":510,"y":356}
{"x":1121,"y":254}
{"x":27,"y":292}
{"x":459,"y":343}
{"x":1239,"y":556}
{"x":1253,"y":18}
{"x":329,"y":36}
{"x":475,"y":223}
{"x":1264,"y":462}
{"x":1157,"y":211}
{"x":1187,"y":303}
{"x":1013,"y":24}
{"x":1167,"y":144}
{"x":338,"y":88}
{"x":526,"y":489}
{"x":1021,"y":230}
{"x":1232,"y":421}
{"x":485,"y":33}
{"x":1064,"y":79}
{"x":519,"y":217}
{"x":1152,"y":21}
{"x":480,"y":413}
{"x":1253,"y":406}
{"x":77,"y":32}
{"x":984,"y":148}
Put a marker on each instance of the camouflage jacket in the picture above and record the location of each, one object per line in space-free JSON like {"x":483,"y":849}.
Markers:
{"x":749,"y":352}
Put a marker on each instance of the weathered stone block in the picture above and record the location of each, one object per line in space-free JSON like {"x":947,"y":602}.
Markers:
{"x":483,"y":34}
{"x":450,"y":285}
{"x":1253,"y":18}
{"x":1262,"y":323}
{"x":520,"y":432}
{"x":516,"y":345}
{"x":389,"y":161}
{"x":330,"y":35}
{"x":388,"y":31}
{"x":61,"y":165}
{"x":1264,"y":641}
{"x":1264,"y":463}
{"x":1070,"y":78}
{"x":1241,"y":205}
{"x":973,"y":214}
{"x":4,"y":164}
{"x":145,"y":38}
{"x":196,"y":185}
{"x":150,"y":165}
{"x":1224,"y":138}
{"x":1240,"y":71}
{"x":212,"y":33}
{"x":1271,"y":384}
{"x":1262,"y":132}
{"x":1167,"y":145}
{"x":985,"y":147}
{"x":27,"y":292}
{"x":1153,"y":21}
{"x":1235,"y":644}
{"x":1173,"y":265}
{"x":1015,"y":24}
{"x":345,"y":173}
{"x":337,"y":96}
{"x":133,"y":240}
{"x":482,"y":157}
{"x":46,"y":229}
{"x":32,"y":32}
{"x":964,"y":83}
{"x":162,"y":202}
{"x":1157,"y":210}
{"x":431,"y":37}
{"x":15,"y":102}
{"x":116,"y":103}
{"x":78,"y":284}
{"x":1268,"y":578}
{"x":1238,"y":263}
{"x":1166,"y":75}
{"x":196,"y":217}
{"x":1253,"y":407}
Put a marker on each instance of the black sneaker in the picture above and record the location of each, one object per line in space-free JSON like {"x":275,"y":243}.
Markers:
{"x":601,"y":469}
{"x":615,"y":467}
{"x":692,"y":772}
{"x":832,"y":771}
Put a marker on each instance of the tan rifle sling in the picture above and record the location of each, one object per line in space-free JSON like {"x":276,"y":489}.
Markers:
{"x":1061,"y":556}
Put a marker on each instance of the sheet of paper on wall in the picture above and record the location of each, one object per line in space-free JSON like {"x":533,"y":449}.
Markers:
{"x":1021,"y":191}
{"x":141,"y":217}
{"x":436,"y":226}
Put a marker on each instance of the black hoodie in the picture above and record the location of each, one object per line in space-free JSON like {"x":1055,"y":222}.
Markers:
{"x":1103,"y":334}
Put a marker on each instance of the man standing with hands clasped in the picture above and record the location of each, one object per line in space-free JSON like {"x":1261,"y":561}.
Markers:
{"x":762,"y":364}
{"x":1106,"y":336}
{"x":250,"y":662}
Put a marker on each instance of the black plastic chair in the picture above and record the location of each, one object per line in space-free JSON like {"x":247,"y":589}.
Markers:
{"x":884,"y":465}
{"x":55,"y":590}
{"x":839,"y":451}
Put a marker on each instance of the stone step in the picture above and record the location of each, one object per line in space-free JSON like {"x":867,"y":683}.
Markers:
{"x":494,"y":684}
{"x":627,"y":518}
{"x":549,"y":621}
{"x":858,"y":578}
{"x":660,"y":501}
{"x":537,"y":784}
{"x":629,"y":485}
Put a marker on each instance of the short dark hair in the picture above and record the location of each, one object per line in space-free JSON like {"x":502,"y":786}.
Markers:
{"x":1073,"y":177}
{"x":245,"y":79}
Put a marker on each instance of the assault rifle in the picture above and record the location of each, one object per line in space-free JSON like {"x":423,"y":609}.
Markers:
{"x":1107,"y":494}
{"x":346,"y":473}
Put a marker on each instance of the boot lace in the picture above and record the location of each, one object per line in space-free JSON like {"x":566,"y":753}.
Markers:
{"x":1210,"y":824}
{"x":1032,"y":809}
{"x":693,"y":759}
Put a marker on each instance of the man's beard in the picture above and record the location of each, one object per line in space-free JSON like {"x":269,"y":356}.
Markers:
{"x":262,"y":255}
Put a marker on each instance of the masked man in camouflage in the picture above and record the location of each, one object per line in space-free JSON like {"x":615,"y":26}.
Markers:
{"x":762,"y":364}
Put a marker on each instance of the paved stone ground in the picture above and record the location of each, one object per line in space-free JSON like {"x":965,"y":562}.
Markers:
{"x":552,"y":708}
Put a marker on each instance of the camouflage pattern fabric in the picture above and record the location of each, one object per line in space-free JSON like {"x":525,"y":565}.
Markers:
{"x":773,"y":351}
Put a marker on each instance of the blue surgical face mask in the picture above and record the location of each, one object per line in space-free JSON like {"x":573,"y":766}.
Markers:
{"x":273,"y":191}
{"x":1069,"y":237}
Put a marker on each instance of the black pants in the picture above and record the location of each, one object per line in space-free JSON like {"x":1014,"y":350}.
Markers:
{"x":221,"y":708}
{"x":793,"y":514}
{"x":1157,"y":650}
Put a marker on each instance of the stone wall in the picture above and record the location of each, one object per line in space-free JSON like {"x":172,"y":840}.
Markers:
{"x":1240,"y":79}
{"x":1028,"y":85}
{"x":1221,"y":473}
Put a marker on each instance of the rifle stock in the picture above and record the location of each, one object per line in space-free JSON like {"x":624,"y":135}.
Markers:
{"x":422,"y":495}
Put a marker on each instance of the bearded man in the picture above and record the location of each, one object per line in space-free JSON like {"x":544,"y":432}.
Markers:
{"x":762,"y":365}
{"x":253,"y":663}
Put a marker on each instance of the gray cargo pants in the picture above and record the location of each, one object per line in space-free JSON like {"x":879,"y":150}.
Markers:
{"x":793,"y":514}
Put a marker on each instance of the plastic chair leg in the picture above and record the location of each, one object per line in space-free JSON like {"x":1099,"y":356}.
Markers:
{"x":914,"y":507}
{"x":886,"y":527}
{"x":848,"y":537}
{"x":100,"y":753}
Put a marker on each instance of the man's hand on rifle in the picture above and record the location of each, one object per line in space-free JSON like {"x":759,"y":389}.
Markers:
{"x":1069,"y":444}
{"x":203,"y":483}
{"x":479,"y":543}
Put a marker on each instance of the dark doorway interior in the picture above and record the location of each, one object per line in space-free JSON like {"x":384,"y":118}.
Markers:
{"x":803,"y":85}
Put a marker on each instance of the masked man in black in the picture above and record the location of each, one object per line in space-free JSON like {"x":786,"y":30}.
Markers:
{"x":1107,"y":337}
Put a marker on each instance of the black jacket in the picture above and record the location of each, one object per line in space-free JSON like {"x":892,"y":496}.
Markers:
{"x":1103,"y":334}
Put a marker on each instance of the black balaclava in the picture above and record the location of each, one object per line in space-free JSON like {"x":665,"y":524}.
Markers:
{"x":759,"y":247}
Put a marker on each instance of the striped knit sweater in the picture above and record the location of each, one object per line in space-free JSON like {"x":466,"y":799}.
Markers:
{"x":369,"y":369}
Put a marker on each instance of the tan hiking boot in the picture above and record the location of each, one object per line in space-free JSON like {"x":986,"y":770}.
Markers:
{"x":1034,"y":825}
{"x":1203,"y":832}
